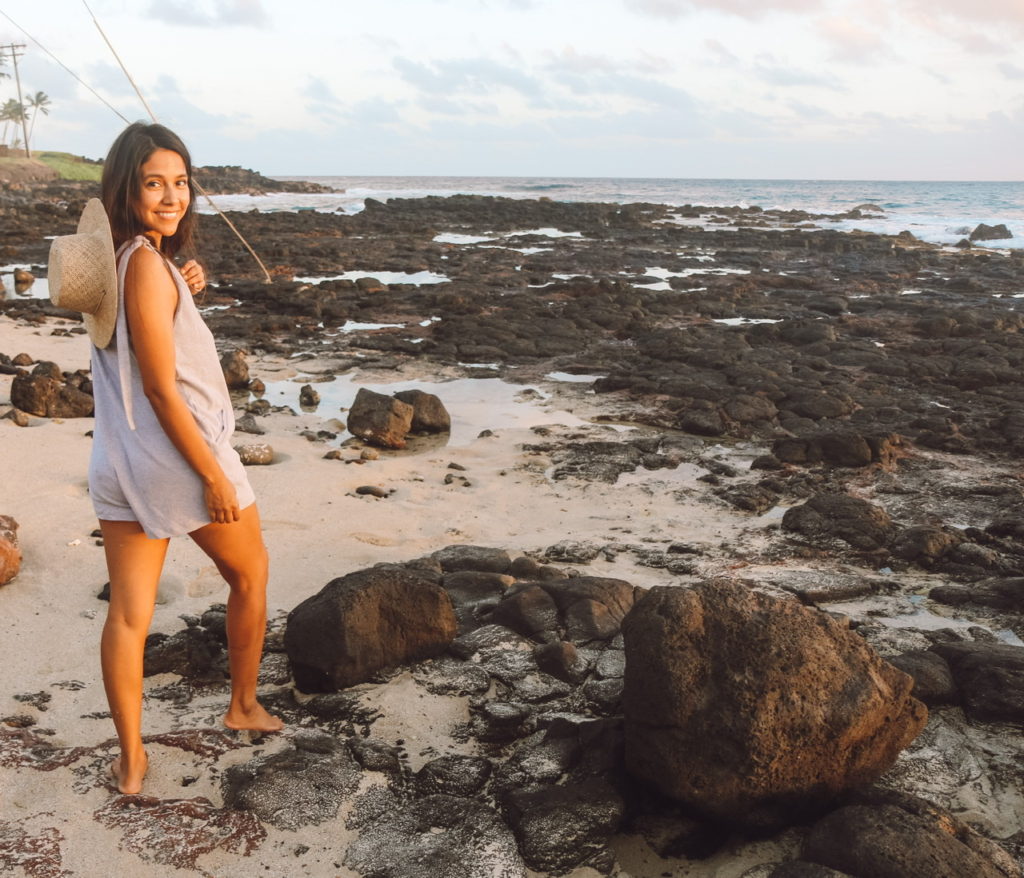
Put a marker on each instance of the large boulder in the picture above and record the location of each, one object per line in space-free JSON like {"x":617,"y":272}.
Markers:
{"x":235,"y":369}
{"x":753,"y":709}
{"x":380,"y":419}
{"x":10,"y":553}
{"x":985,"y":232}
{"x":428,"y":412}
{"x":366,"y":622}
{"x":989,"y":677}
{"x":857,"y":522}
{"x":44,"y":392}
{"x":999,"y":593}
{"x":582,"y":608}
{"x":895,"y":835}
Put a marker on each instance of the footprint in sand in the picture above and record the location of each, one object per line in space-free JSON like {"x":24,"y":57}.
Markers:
{"x":374,"y":539}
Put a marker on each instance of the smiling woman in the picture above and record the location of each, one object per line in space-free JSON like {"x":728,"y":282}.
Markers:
{"x":162,"y":464}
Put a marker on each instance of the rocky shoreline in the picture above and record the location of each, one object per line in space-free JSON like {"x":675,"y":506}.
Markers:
{"x":853,"y":400}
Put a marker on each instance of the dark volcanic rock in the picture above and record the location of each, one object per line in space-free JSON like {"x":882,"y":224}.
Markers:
{"x":365,"y":622}
{"x":380,"y":419}
{"x":990,"y":678}
{"x":428,"y":412}
{"x":924,"y":544}
{"x":454,"y":775}
{"x":434,"y":837}
{"x":899,"y":836}
{"x":756,"y":710}
{"x":236,"y":369}
{"x":302,"y":785}
{"x":560,"y":827}
{"x":998,"y":593}
{"x":856,"y":521}
{"x":45,"y":393}
{"x":481,"y":558}
{"x":933,"y":682}
{"x":983,"y":232}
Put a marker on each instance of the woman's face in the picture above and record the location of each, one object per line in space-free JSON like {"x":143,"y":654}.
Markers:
{"x":163,"y":195}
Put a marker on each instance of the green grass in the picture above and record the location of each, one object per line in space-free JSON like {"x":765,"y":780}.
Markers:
{"x":71,"y":167}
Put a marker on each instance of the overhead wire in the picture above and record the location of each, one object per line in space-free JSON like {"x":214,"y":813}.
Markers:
{"x":149,"y":110}
{"x":152,"y":116}
{"x":81,"y":81}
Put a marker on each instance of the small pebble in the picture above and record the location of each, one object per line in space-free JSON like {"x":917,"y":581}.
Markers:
{"x":372,"y":490}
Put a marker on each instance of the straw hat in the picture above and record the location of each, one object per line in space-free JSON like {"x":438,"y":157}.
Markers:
{"x":83,"y":275}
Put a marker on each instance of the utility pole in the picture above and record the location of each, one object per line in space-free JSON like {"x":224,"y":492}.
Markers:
{"x":15,"y":55}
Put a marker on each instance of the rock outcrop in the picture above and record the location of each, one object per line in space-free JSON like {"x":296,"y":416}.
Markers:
{"x":364,"y":623}
{"x":753,"y":709}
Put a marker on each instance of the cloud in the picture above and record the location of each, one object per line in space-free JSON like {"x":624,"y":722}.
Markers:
{"x":770,"y":71}
{"x":1011,"y":71}
{"x":210,"y":13}
{"x":851,"y":41}
{"x":1004,"y":13}
{"x":466,"y":76}
{"x":672,"y":9}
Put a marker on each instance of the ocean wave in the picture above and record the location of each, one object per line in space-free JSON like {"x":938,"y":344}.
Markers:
{"x":543,"y":187}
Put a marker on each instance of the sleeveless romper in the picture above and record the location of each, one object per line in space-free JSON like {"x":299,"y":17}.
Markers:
{"x":135,"y":472}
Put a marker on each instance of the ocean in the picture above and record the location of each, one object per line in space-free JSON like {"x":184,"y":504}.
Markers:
{"x":938,"y":212}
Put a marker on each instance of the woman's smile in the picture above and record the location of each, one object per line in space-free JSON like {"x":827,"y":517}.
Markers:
{"x":164,"y":194}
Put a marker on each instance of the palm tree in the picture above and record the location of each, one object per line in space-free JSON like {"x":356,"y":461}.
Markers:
{"x":40,"y":103}
{"x":10,"y":111}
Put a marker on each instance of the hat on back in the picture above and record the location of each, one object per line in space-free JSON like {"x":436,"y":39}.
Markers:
{"x":83,"y":275}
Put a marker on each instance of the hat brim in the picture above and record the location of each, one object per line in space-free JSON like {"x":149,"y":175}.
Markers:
{"x":83,"y":273}
{"x":101,"y":324}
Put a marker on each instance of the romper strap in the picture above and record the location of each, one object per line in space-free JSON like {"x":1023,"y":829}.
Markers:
{"x":124,"y":357}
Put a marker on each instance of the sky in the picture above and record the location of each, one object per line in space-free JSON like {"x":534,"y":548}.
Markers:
{"x":758,"y":89}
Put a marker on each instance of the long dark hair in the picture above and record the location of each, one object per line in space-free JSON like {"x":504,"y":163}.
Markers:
{"x":122,"y":181}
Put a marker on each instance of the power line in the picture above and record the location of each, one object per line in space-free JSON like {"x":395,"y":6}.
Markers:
{"x":68,"y":69}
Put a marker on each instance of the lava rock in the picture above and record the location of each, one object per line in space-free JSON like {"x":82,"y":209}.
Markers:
{"x":302,"y":785}
{"x":753,"y":709}
{"x":437,"y":836}
{"x":454,"y":775}
{"x":903,"y":837}
{"x":365,"y":622}
{"x":480,"y":558}
{"x":428,"y":412}
{"x":380,"y":419}
{"x":1005,"y":594}
{"x":235,"y":369}
{"x":560,"y":827}
{"x":857,"y":522}
{"x":990,"y":677}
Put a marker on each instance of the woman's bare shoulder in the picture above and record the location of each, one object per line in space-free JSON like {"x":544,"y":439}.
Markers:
{"x":147,"y":271}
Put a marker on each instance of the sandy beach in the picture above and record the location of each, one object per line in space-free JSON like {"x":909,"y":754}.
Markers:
{"x":316,"y":528}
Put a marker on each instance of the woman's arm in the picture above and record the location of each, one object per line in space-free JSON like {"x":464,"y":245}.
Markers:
{"x":150,"y":300}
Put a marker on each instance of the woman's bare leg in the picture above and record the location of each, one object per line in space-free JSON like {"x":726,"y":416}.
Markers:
{"x":134,"y":562}
{"x":238,"y":551}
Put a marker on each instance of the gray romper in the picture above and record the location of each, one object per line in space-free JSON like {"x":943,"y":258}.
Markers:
{"x":136,"y":473}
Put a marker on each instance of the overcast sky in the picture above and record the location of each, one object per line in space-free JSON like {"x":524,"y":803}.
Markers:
{"x":804,"y":89}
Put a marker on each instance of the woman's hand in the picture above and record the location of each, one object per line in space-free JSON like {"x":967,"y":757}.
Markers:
{"x":194,"y":276}
{"x":221,"y":500}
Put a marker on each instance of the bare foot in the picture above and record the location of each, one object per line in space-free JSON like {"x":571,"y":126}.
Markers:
{"x":256,"y":720}
{"x":129,"y":779}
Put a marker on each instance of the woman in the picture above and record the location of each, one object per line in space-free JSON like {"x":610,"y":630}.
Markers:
{"x":162,"y":464}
